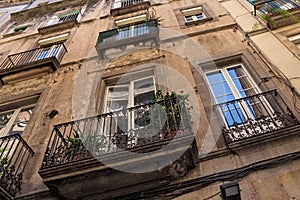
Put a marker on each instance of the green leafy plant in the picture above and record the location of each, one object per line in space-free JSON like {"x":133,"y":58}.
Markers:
{"x":3,"y":161}
{"x":83,"y":145}
{"x":268,"y":19}
{"x":168,"y":115}
{"x":286,"y":14}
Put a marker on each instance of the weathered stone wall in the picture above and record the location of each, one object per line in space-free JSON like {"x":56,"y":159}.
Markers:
{"x":77,"y":90}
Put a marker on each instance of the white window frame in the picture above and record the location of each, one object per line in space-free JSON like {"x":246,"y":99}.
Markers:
{"x":234,"y":90}
{"x":8,"y":127}
{"x":192,"y":14}
{"x":130,"y":115}
{"x":130,"y":91}
{"x":195,"y":18}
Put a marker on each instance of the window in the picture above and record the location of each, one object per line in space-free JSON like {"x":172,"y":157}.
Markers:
{"x":74,"y":15}
{"x":124,"y":124}
{"x":15,"y":121}
{"x":295,"y":39}
{"x":193,"y":14}
{"x":132,"y":31}
{"x":16,"y":30}
{"x":270,"y":6}
{"x":129,"y":94}
{"x":197,"y":14}
{"x":232,"y":83}
{"x":52,"y":51}
{"x":21,"y":28}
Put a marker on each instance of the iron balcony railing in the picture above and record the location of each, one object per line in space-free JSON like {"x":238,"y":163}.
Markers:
{"x":268,"y":8}
{"x":126,"y":3}
{"x":127,"y":32}
{"x":32,"y":56}
{"x":130,"y":129}
{"x":131,"y":2}
{"x":255,"y":115}
{"x":14,"y":156}
{"x":73,"y":16}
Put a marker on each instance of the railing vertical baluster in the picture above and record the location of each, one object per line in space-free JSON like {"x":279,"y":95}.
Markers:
{"x":110,"y":133}
{"x":25,"y":163}
{"x":267,"y":114}
{"x":30,"y":56}
{"x":14,"y":151}
{"x":103,"y":128}
{"x":19,"y":165}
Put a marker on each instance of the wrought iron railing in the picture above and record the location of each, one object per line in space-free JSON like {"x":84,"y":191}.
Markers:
{"x":32,"y":56}
{"x":123,"y":33}
{"x":255,"y":115}
{"x":131,"y":2}
{"x":126,"y":3}
{"x":127,"y":130}
{"x":268,"y":8}
{"x":14,"y":156}
{"x":72,"y":17}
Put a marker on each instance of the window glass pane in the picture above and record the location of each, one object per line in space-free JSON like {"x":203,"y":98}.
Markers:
{"x":231,"y":112}
{"x":225,"y":98}
{"x":143,"y":91}
{"x":43,"y":54}
{"x":200,"y":16}
{"x":215,"y":77}
{"x":143,"y":85}
{"x":241,"y":81}
{"x":117,"y":98}
{"x":140,"y":29}
{"x":123,"y":33}
{"x":4,"y":119}
{"x":21,"y":121}
{"x":188,"y":18}
{"x":220,"y":87}
{"x":143,"y":99}
{"x":55,"y":51}
{"x":233,"y":115}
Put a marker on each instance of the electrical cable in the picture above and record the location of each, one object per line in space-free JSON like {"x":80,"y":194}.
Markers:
{"x":212,"y":196}
{"x":174,"y":190}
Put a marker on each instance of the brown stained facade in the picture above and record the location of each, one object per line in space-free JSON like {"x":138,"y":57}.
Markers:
{"x":78,"y":119}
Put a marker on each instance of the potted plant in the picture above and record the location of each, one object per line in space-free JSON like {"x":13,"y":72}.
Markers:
{"x":168,"y":118}
{"x":84,"y":145}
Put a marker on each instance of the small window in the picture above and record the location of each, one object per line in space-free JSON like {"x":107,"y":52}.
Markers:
{"x":295,"y":39}
{"x":21,"y":28}
{"x":16,"y":30}
{"x":194,"y":15}
{"x":71,"y":16}
{"x":15,"y":121}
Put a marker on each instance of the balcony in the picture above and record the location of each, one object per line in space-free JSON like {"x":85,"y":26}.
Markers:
{"x":26,"y":64}
{"x":61,"y":22}
{"x":121,"y":7}
{"x":256,"y":118}
{"x":145,"y":34}
{"x":14,"y":156}
{"x":131,"y":138}
{"x":277,"y":13}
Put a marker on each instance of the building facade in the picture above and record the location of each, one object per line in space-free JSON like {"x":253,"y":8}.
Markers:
{"x":136,"y":99}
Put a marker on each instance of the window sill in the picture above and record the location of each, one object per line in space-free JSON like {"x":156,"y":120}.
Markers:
{"x":13,"y":34}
